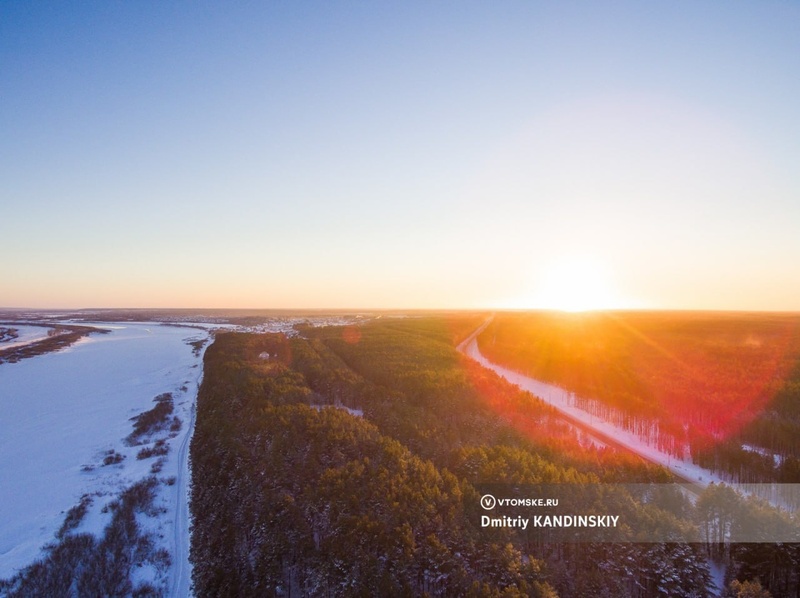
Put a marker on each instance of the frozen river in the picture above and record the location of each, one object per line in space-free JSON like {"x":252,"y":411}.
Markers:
{"x":26,"y":334}
{"x":60,"y":414}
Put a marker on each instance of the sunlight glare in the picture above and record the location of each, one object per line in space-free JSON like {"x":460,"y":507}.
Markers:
{"x":575,"y":284}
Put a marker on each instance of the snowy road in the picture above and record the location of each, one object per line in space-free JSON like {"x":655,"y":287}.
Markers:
{"x":563,"y":401}
{"x":181,"y":580}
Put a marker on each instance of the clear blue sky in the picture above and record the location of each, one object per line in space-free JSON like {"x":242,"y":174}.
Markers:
{"x":400,"y":155}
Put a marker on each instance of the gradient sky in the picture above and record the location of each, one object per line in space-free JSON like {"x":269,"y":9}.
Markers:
{"x":431,"y":154}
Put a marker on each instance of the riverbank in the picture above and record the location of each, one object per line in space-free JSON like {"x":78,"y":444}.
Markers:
{"x":78,"y":432}
{"x":54,"y":337}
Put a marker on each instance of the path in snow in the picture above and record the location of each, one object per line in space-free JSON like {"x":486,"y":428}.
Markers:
{"x":563,"y":401}
{"x":181,"y":580}
{"x":782,"y":496}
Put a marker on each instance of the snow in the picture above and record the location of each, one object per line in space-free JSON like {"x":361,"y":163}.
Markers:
{"x":273,"y":325}
{"x":288,"y":325}
{"x":181,"y":579}
{"x":564,"y":401}
{"x":717,"y":585}
{"x":776,"y":459}
{"x":351,"y":411}
{"x":585,"y":438}
{"x":61,"y":413}
{"x":782,"y":496}
{"x":25,"y":335}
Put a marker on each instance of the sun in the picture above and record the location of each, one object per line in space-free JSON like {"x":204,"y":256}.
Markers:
{"x":573,"y":284}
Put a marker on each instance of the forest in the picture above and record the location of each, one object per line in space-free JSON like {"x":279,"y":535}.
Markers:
{"x":348,"y":461}
{"x":720,"y":388}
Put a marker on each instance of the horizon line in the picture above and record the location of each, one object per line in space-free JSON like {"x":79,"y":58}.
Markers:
{"x":411,"y":309}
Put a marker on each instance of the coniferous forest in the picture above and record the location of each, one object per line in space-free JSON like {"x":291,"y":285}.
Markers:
{"x":723,"y":389}
{"x":347,"y":461}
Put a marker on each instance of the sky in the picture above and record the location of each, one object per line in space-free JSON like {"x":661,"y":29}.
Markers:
{"x":400,"y":155}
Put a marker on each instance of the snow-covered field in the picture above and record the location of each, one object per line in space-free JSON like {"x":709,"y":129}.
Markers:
{"x":64,"y":418}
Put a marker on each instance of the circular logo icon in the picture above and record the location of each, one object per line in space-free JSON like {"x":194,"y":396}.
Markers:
{"x":488,"y":502}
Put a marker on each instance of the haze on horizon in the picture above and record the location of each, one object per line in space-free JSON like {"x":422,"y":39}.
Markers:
{"x":412,"y":155}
